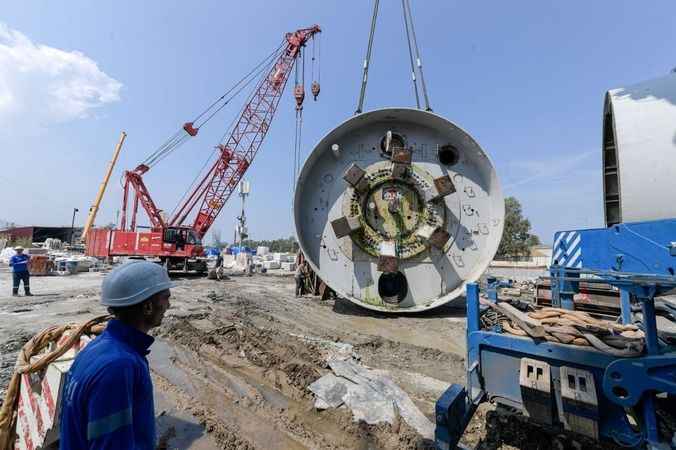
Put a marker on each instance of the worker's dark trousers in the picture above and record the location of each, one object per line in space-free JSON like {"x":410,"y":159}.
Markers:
{"x":299,"y":286}
{"x":19,"y":277}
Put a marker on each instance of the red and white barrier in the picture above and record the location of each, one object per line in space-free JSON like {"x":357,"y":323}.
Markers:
{"x":37,"y":425}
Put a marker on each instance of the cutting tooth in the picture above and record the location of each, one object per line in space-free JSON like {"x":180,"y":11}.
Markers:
{"x":355,"y":176}
{"x":344,"y":226}
{"x":435,"y":236}
{"x":442,"y":187}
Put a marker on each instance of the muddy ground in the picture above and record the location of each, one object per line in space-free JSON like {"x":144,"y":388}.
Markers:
{"x":233,"y":360}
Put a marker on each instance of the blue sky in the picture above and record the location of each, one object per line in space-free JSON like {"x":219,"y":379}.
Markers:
{"x":526,"y":79}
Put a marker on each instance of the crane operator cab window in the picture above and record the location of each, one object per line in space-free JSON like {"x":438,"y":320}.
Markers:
{"x":181,"y":237}
{"x":193,"y":239}
{"x":175,"y":236}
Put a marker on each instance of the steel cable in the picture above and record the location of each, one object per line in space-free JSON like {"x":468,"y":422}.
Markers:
{"x":185,"y":137}
{"x":263,"y":61}
{"x":228,"y":132}
{"x":180,"y":137}
{"x":410,"y":54}
{"x":418,"y":57}
{"x":367,"y":61}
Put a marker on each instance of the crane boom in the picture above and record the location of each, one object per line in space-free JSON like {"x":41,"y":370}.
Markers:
{"x":94,"y":209}
{"x":239,"y":150}
{"x":177,"y":240}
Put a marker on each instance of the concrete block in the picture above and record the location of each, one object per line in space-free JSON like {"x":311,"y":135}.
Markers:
{"x":288,"y":266}
{"x":271,"y":265}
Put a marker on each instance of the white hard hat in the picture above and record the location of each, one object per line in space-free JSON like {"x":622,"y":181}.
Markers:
{"x":134,"y":282}
{"x":18,"y":247}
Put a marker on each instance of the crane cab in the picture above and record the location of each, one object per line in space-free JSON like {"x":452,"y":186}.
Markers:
{"x":178,"y":248}
{"x":181,"y":237}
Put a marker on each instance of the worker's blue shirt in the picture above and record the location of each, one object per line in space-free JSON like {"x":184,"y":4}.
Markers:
{"x":108,"y":399}
{"x":19,"y":263}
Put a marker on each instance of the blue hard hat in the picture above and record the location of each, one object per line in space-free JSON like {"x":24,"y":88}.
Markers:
{"x":134,"y":282}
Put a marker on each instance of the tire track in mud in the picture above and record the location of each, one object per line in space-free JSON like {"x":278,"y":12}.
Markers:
{"x":247,"y":385}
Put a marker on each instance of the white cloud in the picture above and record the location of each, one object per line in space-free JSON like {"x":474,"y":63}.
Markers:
{"x":532,"y":170}
{"x":42,"y":85}
{"x":561,"y":192}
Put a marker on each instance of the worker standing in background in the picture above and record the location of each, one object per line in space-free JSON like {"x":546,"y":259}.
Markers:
{"x":108,"y":399}
{"x":19,"y":265}
{"x":299,"y":276}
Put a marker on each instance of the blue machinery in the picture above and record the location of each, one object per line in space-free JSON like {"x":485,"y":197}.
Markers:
{"x":577,"y":388}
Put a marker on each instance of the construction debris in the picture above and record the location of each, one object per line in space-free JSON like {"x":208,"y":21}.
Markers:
{"x":53,"y":244}
{"x":6,"y":254}
{"x":371,"y":396}
{"x":46,"y":261}
{"x":265,"y":261}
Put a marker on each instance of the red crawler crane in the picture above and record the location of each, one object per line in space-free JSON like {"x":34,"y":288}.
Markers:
{"x":178,"y":245}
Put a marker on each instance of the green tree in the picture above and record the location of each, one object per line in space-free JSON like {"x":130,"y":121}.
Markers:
{"x":516,"y":237}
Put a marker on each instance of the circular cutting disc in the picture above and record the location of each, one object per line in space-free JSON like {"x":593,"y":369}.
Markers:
{"x":397,"y":209}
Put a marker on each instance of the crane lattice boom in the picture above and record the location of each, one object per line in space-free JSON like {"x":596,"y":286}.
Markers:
{"x":239,"y":150}
{"x":235,"y":154}
{"x":177,"y":240}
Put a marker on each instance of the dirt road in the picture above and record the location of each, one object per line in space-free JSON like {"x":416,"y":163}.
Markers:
{"x":233,"y":360}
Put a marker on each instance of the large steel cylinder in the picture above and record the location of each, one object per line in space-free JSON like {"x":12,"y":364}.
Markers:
{"x":639,"y":148}
{"x":397,"y":209}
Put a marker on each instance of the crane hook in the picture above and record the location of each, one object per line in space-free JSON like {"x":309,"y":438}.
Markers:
{"x":315,"y":89}
{"x":299,"y":94}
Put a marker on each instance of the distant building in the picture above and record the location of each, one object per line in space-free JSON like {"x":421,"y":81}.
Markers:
{"x":541,"y":255}
{"x":538,"y":256}
{"x":39,"y":234}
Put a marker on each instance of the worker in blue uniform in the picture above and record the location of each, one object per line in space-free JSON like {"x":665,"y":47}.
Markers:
{"x":108,"y":397}
{"x":20,"y":273}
